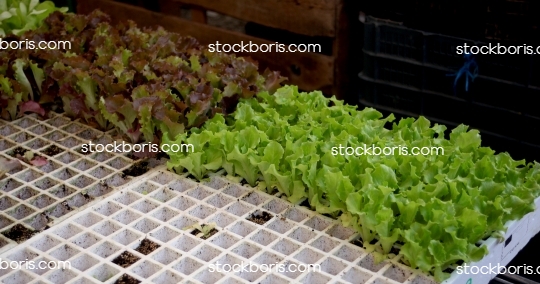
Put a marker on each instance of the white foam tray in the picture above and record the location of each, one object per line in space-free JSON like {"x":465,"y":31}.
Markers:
{"x":159,"y":205}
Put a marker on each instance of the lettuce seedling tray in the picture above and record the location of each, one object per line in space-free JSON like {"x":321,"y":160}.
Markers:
{"x":137,"y":229}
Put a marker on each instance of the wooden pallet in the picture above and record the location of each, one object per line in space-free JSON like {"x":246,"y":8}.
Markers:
{"x":318,"y":18}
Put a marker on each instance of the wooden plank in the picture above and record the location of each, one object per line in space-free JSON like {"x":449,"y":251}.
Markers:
{"x":306,"y":17}
{"x":309,"y":71}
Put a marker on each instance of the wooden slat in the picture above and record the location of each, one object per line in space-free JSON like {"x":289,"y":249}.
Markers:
{"x":315,"y":70}
{"x":306,"y":17}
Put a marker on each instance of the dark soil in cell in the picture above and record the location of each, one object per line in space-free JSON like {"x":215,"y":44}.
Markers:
{"x":244,"y":182}
{"x":207,"y":236}
{"x":147,"y":246}
{"x":358,"y":243}
{"x":374,"y":241}
{"x":394,"y":250}
{"x":126,"y":279}
{"x":260,"y":217}
{"x":18,"y":151}
{"x":52,"y":150}
{"x":138,"y":169}
{"x":19,"y":233}
{"x":126,"y":259}
{"x":305,"y":203}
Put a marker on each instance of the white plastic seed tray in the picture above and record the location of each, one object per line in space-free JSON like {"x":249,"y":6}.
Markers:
{"x":160,"y":205}
{"x":35,"y":198}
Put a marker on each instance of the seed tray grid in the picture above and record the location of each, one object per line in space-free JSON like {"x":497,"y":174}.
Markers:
{"x":37,"y":197}
{"x":293,"y":235}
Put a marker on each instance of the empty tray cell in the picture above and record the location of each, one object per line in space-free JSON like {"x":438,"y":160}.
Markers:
{"x":276,"y":206}
{"x":62,"y":191}
{"x":4,"y":222}
{"x":219,"y":200}
{"x":254,"y":198}
{"x":21,"y":137}
{"x":182,"y":185}
{"x":50,"y":166}
{"x":84,"y":165}
{"x":199,"y":193}
{"x":19,"y":277}
{"x":165,"y":234}
{"x":25,"y":122}
{"x":340,"y":232}
{"x":60,"y":210}
{"x":182,"y":203}
{"x":208,"y":277}
{"x":285,"y":247}
{"x":28,"y":175}
{"x":38,"y":222}
{"x":81,"y":181}
{"x":296,"y":214}
{"x":42,"y":201}
{"x":185,"y":243}
{"x":41,"y":271}
{"x":20,"y":212}
{"x":79,"y":200}
{"x":23,"y":254}
{"x":37,"y":144}
{"x":166,"y":256}
{"x":100,"y":172}
{"x":45,"y":243}
{"x":325,"y":244}
{"x":67,"y":231}
{"x":206,"y":253}
{"x":88,"y":219}
{"x":117,"y":180}
{"x":239,"y":209}
{"x":104,"y":140}
{"x":235,"y":190}
{"x":70,"y":142}
{"x":292,"y":273}
{"x":84,"y":262}
{"x":7,"y":130}
{"x":163,"y":178}
{"x":106,"y":249}
{"x":280,"y":226}
{"x":102,"y":157}
{"x":251,"y":276}
{"x":45,"y":183}
{"x":163,"y":195}
{"x":397,"y":273}
{"x":107,"y":228}
{"x":332,"y":266}
{"x":9,"y":184}
{"x":349,"y":253}
{"x":263,"y":237}
{"x":125,"y":259}
{"x":118,"y":163}
{"x":108,"y":208}
{"x":104,"y":272}
{"x":61,"y":276}
{"x":168,"y":277}
{"x":222,"y":219}
{"x":146,"y":269}
{"x":216,"y":183}
{"x":274,"y":279}
{"x":65,"y":173}
{"x":268,"y":258}
{"x":18,"y":233}
{"x":88,"y":134}
{"x":82,"y":281}
{"x":357,"y":276}
{"x":187,"y":266}
{"x":55,"y":136}
{"x":225,"y":240}
{"x":64,"y":252}
{"x":308,"y":256}
{"x":145,"y":206}
{"x":202,"y":211}
{"x":86,"y":240}
{"x":25,"y":193}
{"x":72,"y":128}
{"x":164,"y":214}
{"x":58,"y":121}
{"x":315,"y":278}
{"x":145,"y":225}
{"x":126,"y":237}
{"x":145,"y":188}
{"x":6,"y":202}
{"x":127,"y":198}
{"x":183,"y":222}
{"x":242,"y":228}
{"x":302,"y":235}
{"x":246,"y":250}
{"x":67,"y":157}
{"x":98,"y":189}
{"x":4,"y":145}
{"x":126,"y":217}
{"x":147,"y":246}
{"x":40,"y":129}
{"x":369,"y":263}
